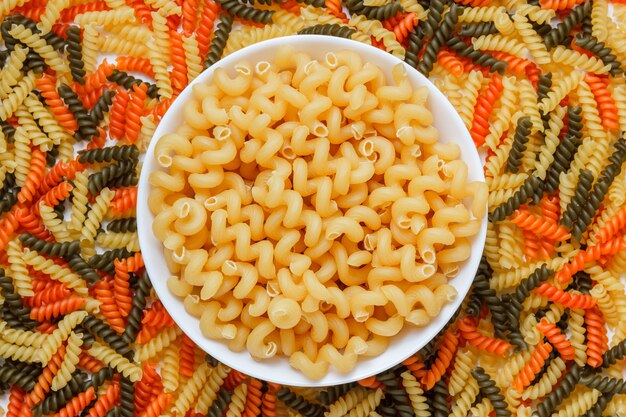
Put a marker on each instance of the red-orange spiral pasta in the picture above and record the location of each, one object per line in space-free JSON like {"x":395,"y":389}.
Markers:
{"x":146,"y":333}
{"x":559,"y":4}
{"x":16,"y":400}
{"x":156,"y":315}
{"x":557,"y":339}
{"x":57,"y":308}
{"x":445,"y":354}
{"x":31,"y":223}
{"x":8,"y":225}
{"x":159,"y":110}
{"x":593,"y":253}
{"x":108,"y":306}
{"x":268,"y":406}
{"x":541,"y":226}
{"x":121,"y":287}
{"x":333,"y":7}
{"x":89,"y":363}
{"x":233,"y":379}
{"x":33,"y":12}
{"x":474,"y":337}
{"x":95,"y":80}
{"x":596,"y":336}
{"x":117,"y":120}
{"x":190,"y":10}
{"x":39,"y":284}
{"x":532,"y":367}
{"x":42,"y":386}
{"x":613,"y":226}
{"x":292,"y":6}
{"x":549,"y":206}
{"x":142,"y":12}
{"x":253,"y":399}
{"x":54,"y":196}
{"x":186,"y":357}
{"x":393,"y":20}
{"x":134,"y":110}
{"x":69,"y":14}
{"x":125,"y":199}
{"x":532,"y":248}
{"x":77,"y":404}
{"x":179,"y":62}
{"x":173,"y":20}
{"x":144,"y":387}
{"x":547,"y":248}
{"x":90,"y":98}
{"x":58,"y":172}
{"x":205,"y":26}
{"x":450,"y":61}
{"x":135,"y":64}
{"x":599,"y":86}
{"x":98,"y":141}
{"x":60,"y":29}
{"x":105,"y":402}
{"x":370,"y":382}
{"x":483,"y":108}
{"x":416,"y":366}
{"x":48,"y":295}
{"x":155,"y":407}
{"x":35,"y":176}
{"x":566,"y":299}
{"x":47,"y":86}
{"x":46,"y":327}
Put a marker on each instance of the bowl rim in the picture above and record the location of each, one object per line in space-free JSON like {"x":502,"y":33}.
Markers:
{"x":191,"y":328}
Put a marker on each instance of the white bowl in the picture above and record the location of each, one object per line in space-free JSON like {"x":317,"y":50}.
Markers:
{"x":277,"y":369}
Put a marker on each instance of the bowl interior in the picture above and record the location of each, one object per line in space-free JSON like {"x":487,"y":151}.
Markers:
{"x":277,"y":369}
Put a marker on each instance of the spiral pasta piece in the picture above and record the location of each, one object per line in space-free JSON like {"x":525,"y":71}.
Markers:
{"x":541,"y":226}
{"x":596,"y":337}
{"x":115,"y":360}
{"x":476,"y":338}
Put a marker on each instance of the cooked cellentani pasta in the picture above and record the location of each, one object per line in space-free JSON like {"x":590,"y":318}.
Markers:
{"x":298,"y":228}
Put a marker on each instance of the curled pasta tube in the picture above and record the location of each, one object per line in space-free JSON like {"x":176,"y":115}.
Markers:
{"x":178,"y":286}
{"x":284,"y":312}
{"x":234,"y":86}
{"x":457,"y":214}
{"x":362,"y":302}
{"x":344,"y":226}
{"x":427,"y":239}
{"x":256,"y":340}
{"x":418,"y":185}
{"x":431,"y":301}
{"x":161,"y":227}
{"x":314,"y":370}
{"x":387,"y":328}
{"x":398,"y":298}
{"x":192,"y":112}
{"x":192,"y":216}
{"x":412,"y":271}
{"x":457,"y":172}
{"x":343,"y":362}
{"x":169,"y":144}
{"x":216,"y":115}
{"x":249,"y":277}
{"x":211,"y":327}
{"x":404,"y":209}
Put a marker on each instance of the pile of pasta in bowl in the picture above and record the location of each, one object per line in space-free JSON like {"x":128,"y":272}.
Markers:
{"x":307,"y":208}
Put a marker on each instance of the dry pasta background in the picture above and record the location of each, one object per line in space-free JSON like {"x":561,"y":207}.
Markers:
{"x":82,"y":332}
